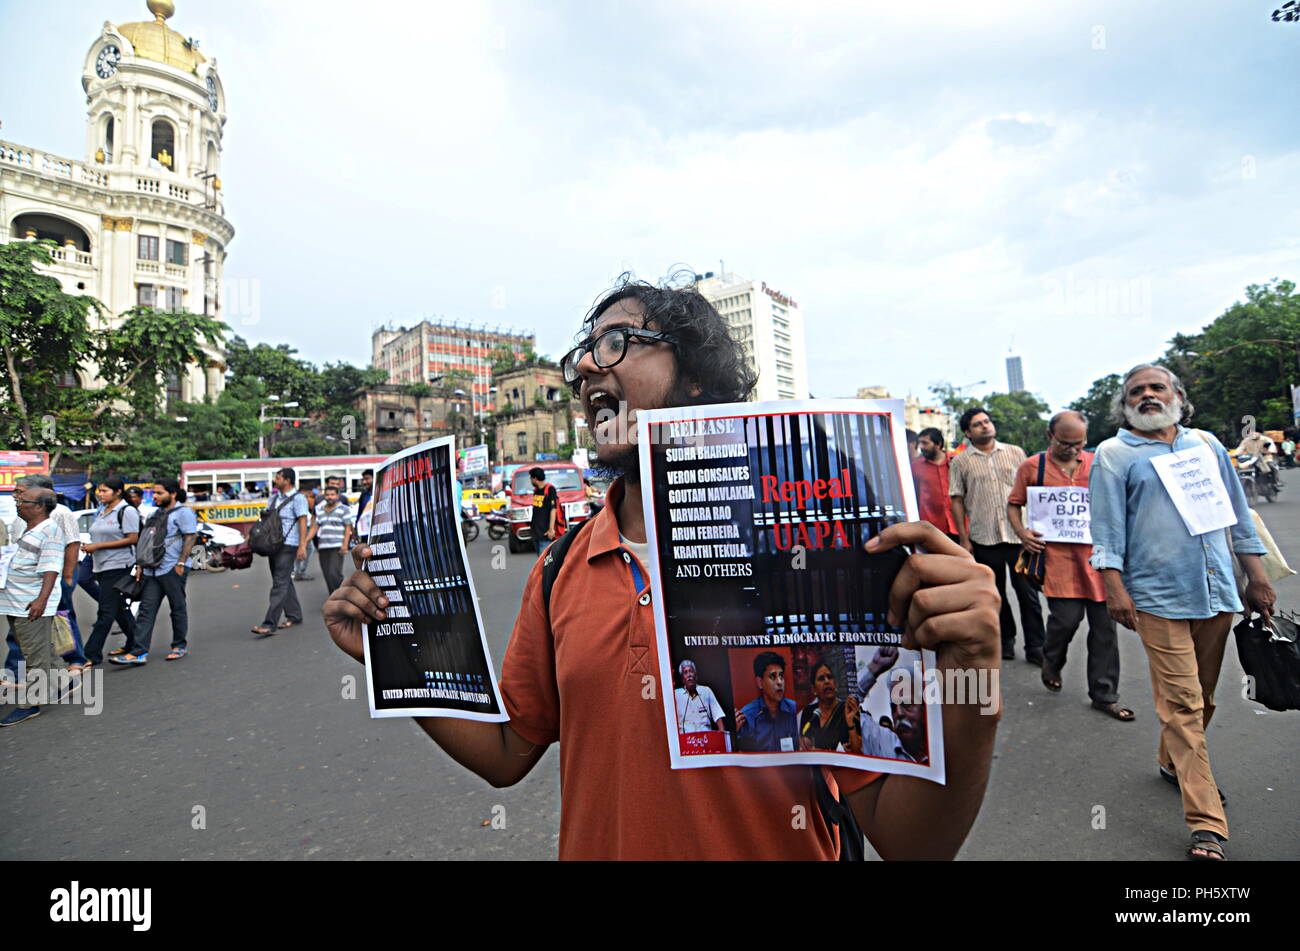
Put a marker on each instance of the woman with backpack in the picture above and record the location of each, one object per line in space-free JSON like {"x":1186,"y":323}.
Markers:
{"x":113,"y":535}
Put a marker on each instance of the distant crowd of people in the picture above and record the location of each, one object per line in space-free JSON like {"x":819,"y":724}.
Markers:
{"x":1142,"y":568}
{"x":137,"y":556}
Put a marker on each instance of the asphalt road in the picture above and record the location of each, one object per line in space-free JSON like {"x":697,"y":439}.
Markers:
{"x":248,"y":748}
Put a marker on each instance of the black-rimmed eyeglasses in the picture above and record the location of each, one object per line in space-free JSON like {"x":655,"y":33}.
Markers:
{"x":607,"y":350}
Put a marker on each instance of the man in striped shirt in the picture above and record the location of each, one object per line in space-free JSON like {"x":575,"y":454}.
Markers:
{"x":35,"y":561}
{"x":979,"y":481}
{"x":332,"y":530}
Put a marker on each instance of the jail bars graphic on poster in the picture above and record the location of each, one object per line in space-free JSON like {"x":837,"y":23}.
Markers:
{"x":770,"y":616}
{"x":428,"y":656}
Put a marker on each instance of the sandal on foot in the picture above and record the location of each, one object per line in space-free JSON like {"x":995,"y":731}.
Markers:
{"x":1052,"y":680}
{"x":178,"y":653}
{"x":1114,"y":710}
{"x":262,"y":630}
{"x":1203,"y":840}
{"x":117,"y":652}
{"x":283,"y":624}
{"x":1172,"y":779}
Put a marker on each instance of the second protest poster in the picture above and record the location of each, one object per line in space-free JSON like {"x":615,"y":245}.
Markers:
{"x":769,"y":613}
{"x":429,"y":656}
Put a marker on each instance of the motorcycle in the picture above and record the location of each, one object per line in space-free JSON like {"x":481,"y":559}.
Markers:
{"x":468,"y":527}
{"x":1255,"y":483}
{"x":210,"y":545}
{"x":498,"y":526}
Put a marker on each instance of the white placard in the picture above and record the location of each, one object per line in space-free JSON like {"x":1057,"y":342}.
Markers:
{"x":1060,"y":513}
{"x":1191,"y":477}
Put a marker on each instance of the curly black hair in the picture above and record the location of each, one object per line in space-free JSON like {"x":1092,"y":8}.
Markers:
{"x":707,"y":355}
{"x":969,"y":416}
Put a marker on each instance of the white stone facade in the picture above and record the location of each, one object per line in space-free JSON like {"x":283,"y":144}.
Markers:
{"x":141,"y":219}
{"x":769,"y":326}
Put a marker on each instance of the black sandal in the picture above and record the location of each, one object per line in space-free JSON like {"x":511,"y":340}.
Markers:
{"x":1052,"y":680}
{"x":1172,"y":780}
{"x":1203,"y":840}
{"x":1115,"y":710}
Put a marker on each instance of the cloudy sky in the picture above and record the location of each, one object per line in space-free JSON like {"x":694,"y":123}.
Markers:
{"x":937,"y":184}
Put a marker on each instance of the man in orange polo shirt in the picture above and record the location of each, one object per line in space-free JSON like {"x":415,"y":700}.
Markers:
{"x":930,"y":473}
{"x":584,"y":673}
{"x":1072,"y":586}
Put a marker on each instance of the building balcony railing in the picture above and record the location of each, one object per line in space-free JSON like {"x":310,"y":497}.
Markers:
{"x":127,"y":180}
{"x":71,"y":256}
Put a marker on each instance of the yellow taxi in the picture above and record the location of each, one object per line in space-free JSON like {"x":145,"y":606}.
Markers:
{"x":481,"y":501}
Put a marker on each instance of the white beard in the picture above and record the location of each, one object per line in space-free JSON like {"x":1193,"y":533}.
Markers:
{"x":1150,"y":422}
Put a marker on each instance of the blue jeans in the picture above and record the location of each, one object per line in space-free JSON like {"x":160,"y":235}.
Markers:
{"x":155,"y":587}
{"x":74,"y":656}
{"x":541,"y":542}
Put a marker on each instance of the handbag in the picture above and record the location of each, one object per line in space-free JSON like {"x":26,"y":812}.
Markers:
{"x":130,"y":587}
{"x":1030,"y":565}
{"x":1273,"y":561}
{"x":61,"y":635}
{"x":1270,"y":656}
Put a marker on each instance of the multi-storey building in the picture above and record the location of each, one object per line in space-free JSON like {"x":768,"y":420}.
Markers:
{"x":537,"y":413}
{"x":769,"y":326}
{"x":141,"y":220}
{"x":1015,"y":375}
{"x":396,"y":419}
{"x":429,"y":351}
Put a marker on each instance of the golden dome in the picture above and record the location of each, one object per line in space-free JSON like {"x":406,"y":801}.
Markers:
{"x":154,"y":40}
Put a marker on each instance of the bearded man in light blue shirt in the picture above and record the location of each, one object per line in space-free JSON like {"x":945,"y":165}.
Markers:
{"x":1176,"y":589}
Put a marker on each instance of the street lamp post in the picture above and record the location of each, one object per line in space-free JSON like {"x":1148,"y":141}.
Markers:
{"x":261,"y":429}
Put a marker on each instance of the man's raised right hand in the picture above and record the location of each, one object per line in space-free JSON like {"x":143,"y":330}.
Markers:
{"x":357,"y":601}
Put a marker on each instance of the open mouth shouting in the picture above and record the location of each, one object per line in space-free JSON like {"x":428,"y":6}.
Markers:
{"x":602,"y":405}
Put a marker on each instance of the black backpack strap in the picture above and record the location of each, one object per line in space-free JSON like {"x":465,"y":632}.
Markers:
{"x":1042,"y":466}
{"x":553,"y":560}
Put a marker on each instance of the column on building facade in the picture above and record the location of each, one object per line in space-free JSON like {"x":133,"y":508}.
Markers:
{"x":215,"y":379}
{"x":130,"y":147}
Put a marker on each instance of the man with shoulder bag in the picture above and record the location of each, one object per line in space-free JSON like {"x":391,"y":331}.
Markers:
{"x":162,"y":566}
{"x":281,"y":535}
{"x":1073,"y":588}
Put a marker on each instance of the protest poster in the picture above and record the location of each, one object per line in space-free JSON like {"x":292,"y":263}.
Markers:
{"x":1192,"y":479}
{"x":756,"y":516}
{"x":1060,"y":513}
{"x":429,"y":656}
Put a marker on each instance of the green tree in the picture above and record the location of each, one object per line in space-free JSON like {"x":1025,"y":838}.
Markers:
{"x":1019,"y":419}
{"x":340,"y":382}
{"x":503,"y":359}
{"x":224,"y":429}
{"x":45,"y":336}
{"x":281,"y":373}
{"x":1096,"y":406}
{"x":1243,"y":364}
{"x":149,"y":347}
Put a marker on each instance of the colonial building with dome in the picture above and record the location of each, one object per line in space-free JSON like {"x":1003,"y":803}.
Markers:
{"x":141,"y":220}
